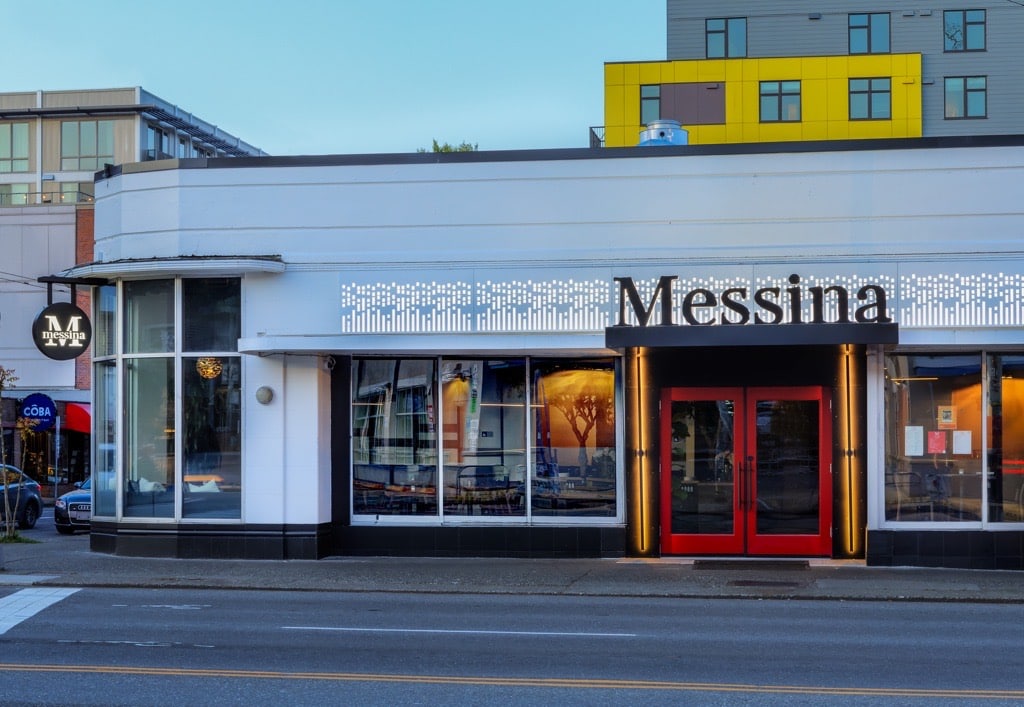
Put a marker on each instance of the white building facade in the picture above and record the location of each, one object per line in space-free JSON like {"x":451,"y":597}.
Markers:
{"x":807,"y":350}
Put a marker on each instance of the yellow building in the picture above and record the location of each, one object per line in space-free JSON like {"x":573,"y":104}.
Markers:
{"x":767,"y":99}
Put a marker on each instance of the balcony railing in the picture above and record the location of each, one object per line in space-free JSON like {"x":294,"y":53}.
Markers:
{"x":597,"y":136}
{"x":36,"y":198}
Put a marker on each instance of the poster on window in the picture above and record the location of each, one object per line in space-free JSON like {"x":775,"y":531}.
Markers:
{"x":936,"y":442}
{"x":913,"y":441}
{"x":962,"y":442}
{"x":946,"y":418}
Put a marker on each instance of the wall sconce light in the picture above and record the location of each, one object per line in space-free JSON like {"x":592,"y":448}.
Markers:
{"x":264,"y":395}
{"x":209,"y":367}
{"x":814,"y":16}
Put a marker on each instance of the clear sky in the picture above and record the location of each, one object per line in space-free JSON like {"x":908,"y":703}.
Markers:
{"x":346,"y":76}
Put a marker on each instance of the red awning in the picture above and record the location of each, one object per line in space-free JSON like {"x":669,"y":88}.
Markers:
{"x":77,"y":417}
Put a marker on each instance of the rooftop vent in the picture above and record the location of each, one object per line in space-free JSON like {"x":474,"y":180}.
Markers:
{"x":664,"y":132}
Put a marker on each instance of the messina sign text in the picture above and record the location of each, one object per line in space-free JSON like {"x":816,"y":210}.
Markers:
{"x":769,"y":305}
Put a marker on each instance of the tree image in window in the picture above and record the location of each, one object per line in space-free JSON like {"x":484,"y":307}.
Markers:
{"x":586,"y":401}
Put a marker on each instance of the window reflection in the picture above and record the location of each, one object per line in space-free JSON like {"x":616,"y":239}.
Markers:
{"x":488,"y":438}
{"x":149,"y":452}
{"x":211,"y":442}
{"x":394,"y":437}
{"x":1006,"y":438}
{"x":573,"y":420}
{"x":933,"y":416}
{"x":484,"y":437}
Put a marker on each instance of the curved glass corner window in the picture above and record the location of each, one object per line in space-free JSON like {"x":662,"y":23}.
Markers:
{"x":149,"y":438}
{"x":212,"y":311}
{"x":181,"y":449}
{"x":933,"y":438}
{"x":104,"y":469}
{"x":394,"y":437}
{"x":212,"y":437}
{"x":484,"y":437}
{"x":149,"y":316}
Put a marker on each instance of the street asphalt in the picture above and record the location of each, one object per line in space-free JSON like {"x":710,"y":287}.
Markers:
{"x":54,"y":560}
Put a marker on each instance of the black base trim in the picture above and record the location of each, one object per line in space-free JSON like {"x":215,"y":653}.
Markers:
{"x":522,"y":542}
{"x":964,"y":549}
{"x":244,"y":542}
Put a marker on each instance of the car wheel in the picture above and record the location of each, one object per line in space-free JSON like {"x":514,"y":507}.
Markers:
{"x":29,"y":516}
{"x":65,"y":531}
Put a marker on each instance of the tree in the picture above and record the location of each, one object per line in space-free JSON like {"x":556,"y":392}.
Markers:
{"x":463,"y":147}
{"x":10,"y":523}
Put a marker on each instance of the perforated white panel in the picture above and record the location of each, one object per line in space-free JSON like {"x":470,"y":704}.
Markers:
{"x":961,"y":300}
{"x":916,"y":299}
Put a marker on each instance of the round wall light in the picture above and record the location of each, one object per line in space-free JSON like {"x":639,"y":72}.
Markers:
{"x":264,"y":395}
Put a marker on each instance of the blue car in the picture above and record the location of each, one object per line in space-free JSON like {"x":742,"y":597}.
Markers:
{"x":73,"y":510}
{"x":22,"y":495}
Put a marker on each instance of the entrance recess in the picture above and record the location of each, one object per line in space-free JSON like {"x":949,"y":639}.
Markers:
{"x":746,"y":471}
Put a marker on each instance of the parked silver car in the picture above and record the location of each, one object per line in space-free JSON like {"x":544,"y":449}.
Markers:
{"x":22,"y":494}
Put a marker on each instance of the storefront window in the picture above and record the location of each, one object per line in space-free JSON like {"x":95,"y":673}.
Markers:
{"x":502,"y":421}
{"x":212,"y":437}
{"x":933,"y":442}
{"x":484,"y":437}
{"x":104,"y":470}
{"x":573,"y":419}
{"x":149,"y":316}
{"x":394,"y":437}
{"x":1005,"y":452}
{"x":198,"y":393}
{"x":149,"y":432}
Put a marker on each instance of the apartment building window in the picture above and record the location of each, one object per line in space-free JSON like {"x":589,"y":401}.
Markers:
{"x":14,"y":147}
{"x":869,"y":33}
{"x":650,"y":104}
{"x":726,"y":38}
{"x":158,"y":144}
{"x":966,"y":97}
{"x":14,"y":194}
{"x":86,"y":144}
{"x":870,"y":99}
{"x":76,"y":192}
{"x":964,"y":30}
{"x":780,"y":101}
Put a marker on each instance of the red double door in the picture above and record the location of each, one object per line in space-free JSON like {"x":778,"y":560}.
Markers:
{"x":746,"y":471}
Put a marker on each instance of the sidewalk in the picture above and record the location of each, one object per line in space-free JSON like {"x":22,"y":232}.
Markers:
{"x":63,"y":561}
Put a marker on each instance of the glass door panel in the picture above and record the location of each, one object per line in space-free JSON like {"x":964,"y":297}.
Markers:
{"x":701,"y":489}
{"x":744,"y":471}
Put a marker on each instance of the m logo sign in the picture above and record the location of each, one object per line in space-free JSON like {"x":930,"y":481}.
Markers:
{"x":62,"y":331}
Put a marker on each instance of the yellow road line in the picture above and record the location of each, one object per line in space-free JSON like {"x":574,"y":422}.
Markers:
{"x":574,"y":683}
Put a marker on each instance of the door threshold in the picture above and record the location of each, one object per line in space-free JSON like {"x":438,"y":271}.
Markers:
{"x":751,"y":563}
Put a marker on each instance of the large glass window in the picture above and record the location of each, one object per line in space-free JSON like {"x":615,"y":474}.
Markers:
{"x":149,"y":438}
{"x":86,"y":144}
{"x":870,"y":99}
{"x":573,"y":418}
{"x":1005,"y":448}
{"x":484,"y":436}
{"x":963,"y":30}
{"x":494,"y":424}
{"x":933,"y":444}
{"x":182,"y":429}
{"x":966,"y":97}
{"x":13,"y":147}
{"x":104,"y":468}
{"x":780,"y":101}
{"x":394,"y":436}
{"x":726,"y":37}
{"x":869,"y":33}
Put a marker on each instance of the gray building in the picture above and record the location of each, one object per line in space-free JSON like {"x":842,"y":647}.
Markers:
{"x":972,"y":79}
